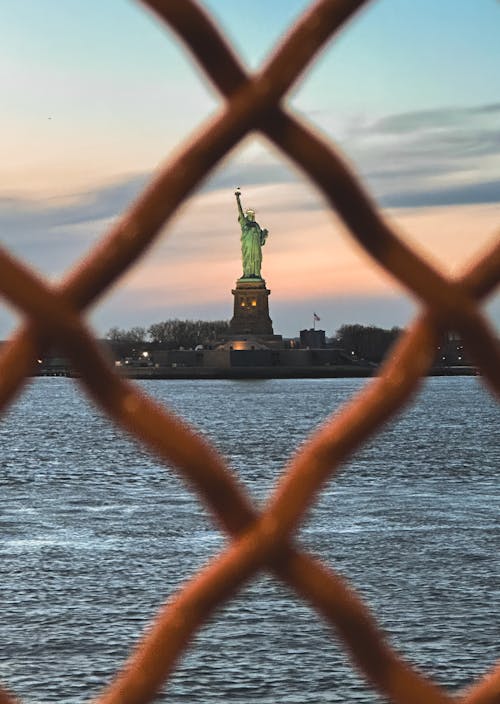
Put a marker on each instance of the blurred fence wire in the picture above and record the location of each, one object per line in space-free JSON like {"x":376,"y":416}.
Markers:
{"x":258,"y":540}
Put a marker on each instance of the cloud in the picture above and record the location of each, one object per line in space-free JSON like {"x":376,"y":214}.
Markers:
{"x":430,"y":157}
{"x":432,"y":119}
{"x":310,"y":263}
{"x":412,"y":162}
{"x":257,"y":173}
{"x":425,"y":158}
{"x":22,"y":215}
{"x":441,"y":156}
{"x":474,"y":193}
{"x":51,"y":234}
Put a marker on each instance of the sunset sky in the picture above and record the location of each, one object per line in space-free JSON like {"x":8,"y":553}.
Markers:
{"x":96,"y":95}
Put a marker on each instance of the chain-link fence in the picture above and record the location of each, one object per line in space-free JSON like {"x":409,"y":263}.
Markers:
{"x":264,"y":539}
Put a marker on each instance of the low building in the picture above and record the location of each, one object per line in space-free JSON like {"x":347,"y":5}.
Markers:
{"x":312,"y":338}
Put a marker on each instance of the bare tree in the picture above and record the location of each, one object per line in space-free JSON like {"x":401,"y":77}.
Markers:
{"x":367,"y":341}
{"x":186,"y":333}
{"x":134,"y":335}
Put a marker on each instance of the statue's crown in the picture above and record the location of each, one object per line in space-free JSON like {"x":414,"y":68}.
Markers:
{"x":250,"y":211}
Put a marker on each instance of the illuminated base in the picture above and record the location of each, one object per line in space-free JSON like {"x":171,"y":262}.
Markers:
{"x":251,"y":308}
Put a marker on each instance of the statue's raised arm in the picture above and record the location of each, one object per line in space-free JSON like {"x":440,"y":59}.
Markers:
{"x":237,"y":193}
{"x":252,"y":240}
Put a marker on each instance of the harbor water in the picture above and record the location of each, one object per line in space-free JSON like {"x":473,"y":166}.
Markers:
{"x":95,"y":535}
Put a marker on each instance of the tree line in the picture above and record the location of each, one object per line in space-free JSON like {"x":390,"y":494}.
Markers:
{"x":171,"y":334}
{"x":367,"y":341}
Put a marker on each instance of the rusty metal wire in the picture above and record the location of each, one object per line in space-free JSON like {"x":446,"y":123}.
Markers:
{"x":262,"y":540}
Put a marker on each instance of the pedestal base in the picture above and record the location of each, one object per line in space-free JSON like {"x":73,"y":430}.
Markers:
{"x":251,"y":308}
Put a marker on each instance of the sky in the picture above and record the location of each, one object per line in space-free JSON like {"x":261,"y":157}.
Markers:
{"x":98,"y":95}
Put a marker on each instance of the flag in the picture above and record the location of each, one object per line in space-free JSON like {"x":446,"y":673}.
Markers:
{"x":316,"y":317}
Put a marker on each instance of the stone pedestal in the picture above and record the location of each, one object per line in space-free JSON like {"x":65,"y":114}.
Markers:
{"x":251,"y":308}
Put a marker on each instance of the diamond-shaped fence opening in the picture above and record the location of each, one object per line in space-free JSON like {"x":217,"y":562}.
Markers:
{"x":266,"y":539}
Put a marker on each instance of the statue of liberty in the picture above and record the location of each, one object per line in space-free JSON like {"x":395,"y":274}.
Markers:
{"x":253,"y":239}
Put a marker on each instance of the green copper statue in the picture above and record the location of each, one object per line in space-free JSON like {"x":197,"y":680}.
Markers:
{"x":253,"y":239}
